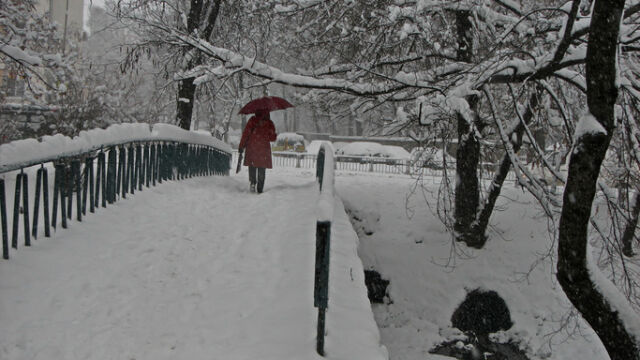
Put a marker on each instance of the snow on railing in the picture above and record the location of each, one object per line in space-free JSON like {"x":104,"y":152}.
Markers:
{"x":129,"y":156}
{"x":24,"y":153}
{"x":325,"y":176}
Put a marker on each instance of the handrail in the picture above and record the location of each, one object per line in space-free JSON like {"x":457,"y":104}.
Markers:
{"x":325,"y":178}
{"x":128,"y":157}
{"x":28,"y":152}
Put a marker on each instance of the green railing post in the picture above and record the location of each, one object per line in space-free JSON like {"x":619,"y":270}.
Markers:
{"x":36,"y":204}
{"x":122,"y":162}
{"x":102,"y":179}
{"x":111,"y":176}
{"x":99,"y":170}
{"x":92,"y":182}
{"x":131,"y":180}
{"x":16,"y":212}
{"x":62,"y":185}
{"x":68,"y":180}
{"x":147,"y":162}
{"x":139,"y":167}
{"x":77,"y":186}
{"x":42,"y":185}
{"x":45,"y":201}
{"x":320,"y":167}
{"x":56,"y":186}
{"x":25,"y":206}
{"x":153,"y":165}
{"x":321,"y":284}
{"x":161,"y":154}
{"x":3,"y":220}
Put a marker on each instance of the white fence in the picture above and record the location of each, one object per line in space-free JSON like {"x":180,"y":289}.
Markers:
{"x":371,"y":165}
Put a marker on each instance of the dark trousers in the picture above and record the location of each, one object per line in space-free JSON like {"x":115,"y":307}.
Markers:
{"x":256,"y":176}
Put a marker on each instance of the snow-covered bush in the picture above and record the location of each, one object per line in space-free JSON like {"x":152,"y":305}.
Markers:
{"x":288,"y":141}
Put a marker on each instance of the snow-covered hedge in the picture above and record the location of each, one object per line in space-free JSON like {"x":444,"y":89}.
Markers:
{"x":27,"y":152}
{"x":290,"y":137}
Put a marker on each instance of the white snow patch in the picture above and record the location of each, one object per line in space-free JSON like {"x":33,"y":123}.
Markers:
{"x":588,"y":124}
{"x":614,"y":297}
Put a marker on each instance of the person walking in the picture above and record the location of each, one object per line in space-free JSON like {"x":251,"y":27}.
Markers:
{"x":255,"y":143}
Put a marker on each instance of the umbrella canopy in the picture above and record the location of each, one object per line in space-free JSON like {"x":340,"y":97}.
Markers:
{"x":267,"y":103}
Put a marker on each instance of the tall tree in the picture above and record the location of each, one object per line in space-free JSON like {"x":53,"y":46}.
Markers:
{"x":201,"y":21}
{"x":592,"y":138}
{"x":467,"y":190}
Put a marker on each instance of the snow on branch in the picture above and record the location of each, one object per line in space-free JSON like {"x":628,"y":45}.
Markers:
{"x":235,"y":61}
{"x":20,"y":55}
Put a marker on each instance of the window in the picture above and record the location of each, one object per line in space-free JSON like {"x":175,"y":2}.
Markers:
{"x":12,"y":85}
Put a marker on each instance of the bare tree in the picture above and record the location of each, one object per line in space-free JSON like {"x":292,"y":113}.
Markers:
{"x":591,"y":142}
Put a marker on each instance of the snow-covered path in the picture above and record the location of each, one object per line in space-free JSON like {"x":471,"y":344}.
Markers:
{"x":197,"y":269}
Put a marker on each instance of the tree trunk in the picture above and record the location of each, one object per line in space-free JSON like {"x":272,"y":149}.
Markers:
{"x":630,"y":228}
{"x":584,"y":167}
{"x":467,"y":189}
{"x":186,"y":96}
{"x":201,"y":16}
{"x":479,"y":227}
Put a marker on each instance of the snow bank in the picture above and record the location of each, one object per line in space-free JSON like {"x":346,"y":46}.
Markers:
{"x":27,"y":152}
{"x":348,"y":302}
{"x":365,"y":148}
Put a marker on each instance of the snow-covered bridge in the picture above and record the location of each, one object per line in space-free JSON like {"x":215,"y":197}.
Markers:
{"x":193,"y":269}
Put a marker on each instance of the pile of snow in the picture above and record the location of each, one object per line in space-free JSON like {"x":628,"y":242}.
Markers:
{"x":371,"y":149}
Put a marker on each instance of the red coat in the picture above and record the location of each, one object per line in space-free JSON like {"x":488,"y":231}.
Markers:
{"x":255,"y":141}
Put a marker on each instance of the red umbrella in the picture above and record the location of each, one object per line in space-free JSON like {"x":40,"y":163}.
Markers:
{"x":267,"y":103}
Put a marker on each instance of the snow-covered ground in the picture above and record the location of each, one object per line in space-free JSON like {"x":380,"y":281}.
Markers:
{"x":409,"y":246}
{"x":202,"y":269}
{"x":196,"y":269}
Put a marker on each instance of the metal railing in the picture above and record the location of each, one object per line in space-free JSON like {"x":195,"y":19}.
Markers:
{"x":99,"y":175}
{"x":325,"y":178}
{"x":376,"y":165}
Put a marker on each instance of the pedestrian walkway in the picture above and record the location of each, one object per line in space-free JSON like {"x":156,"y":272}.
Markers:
{"x":198,"y":269}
